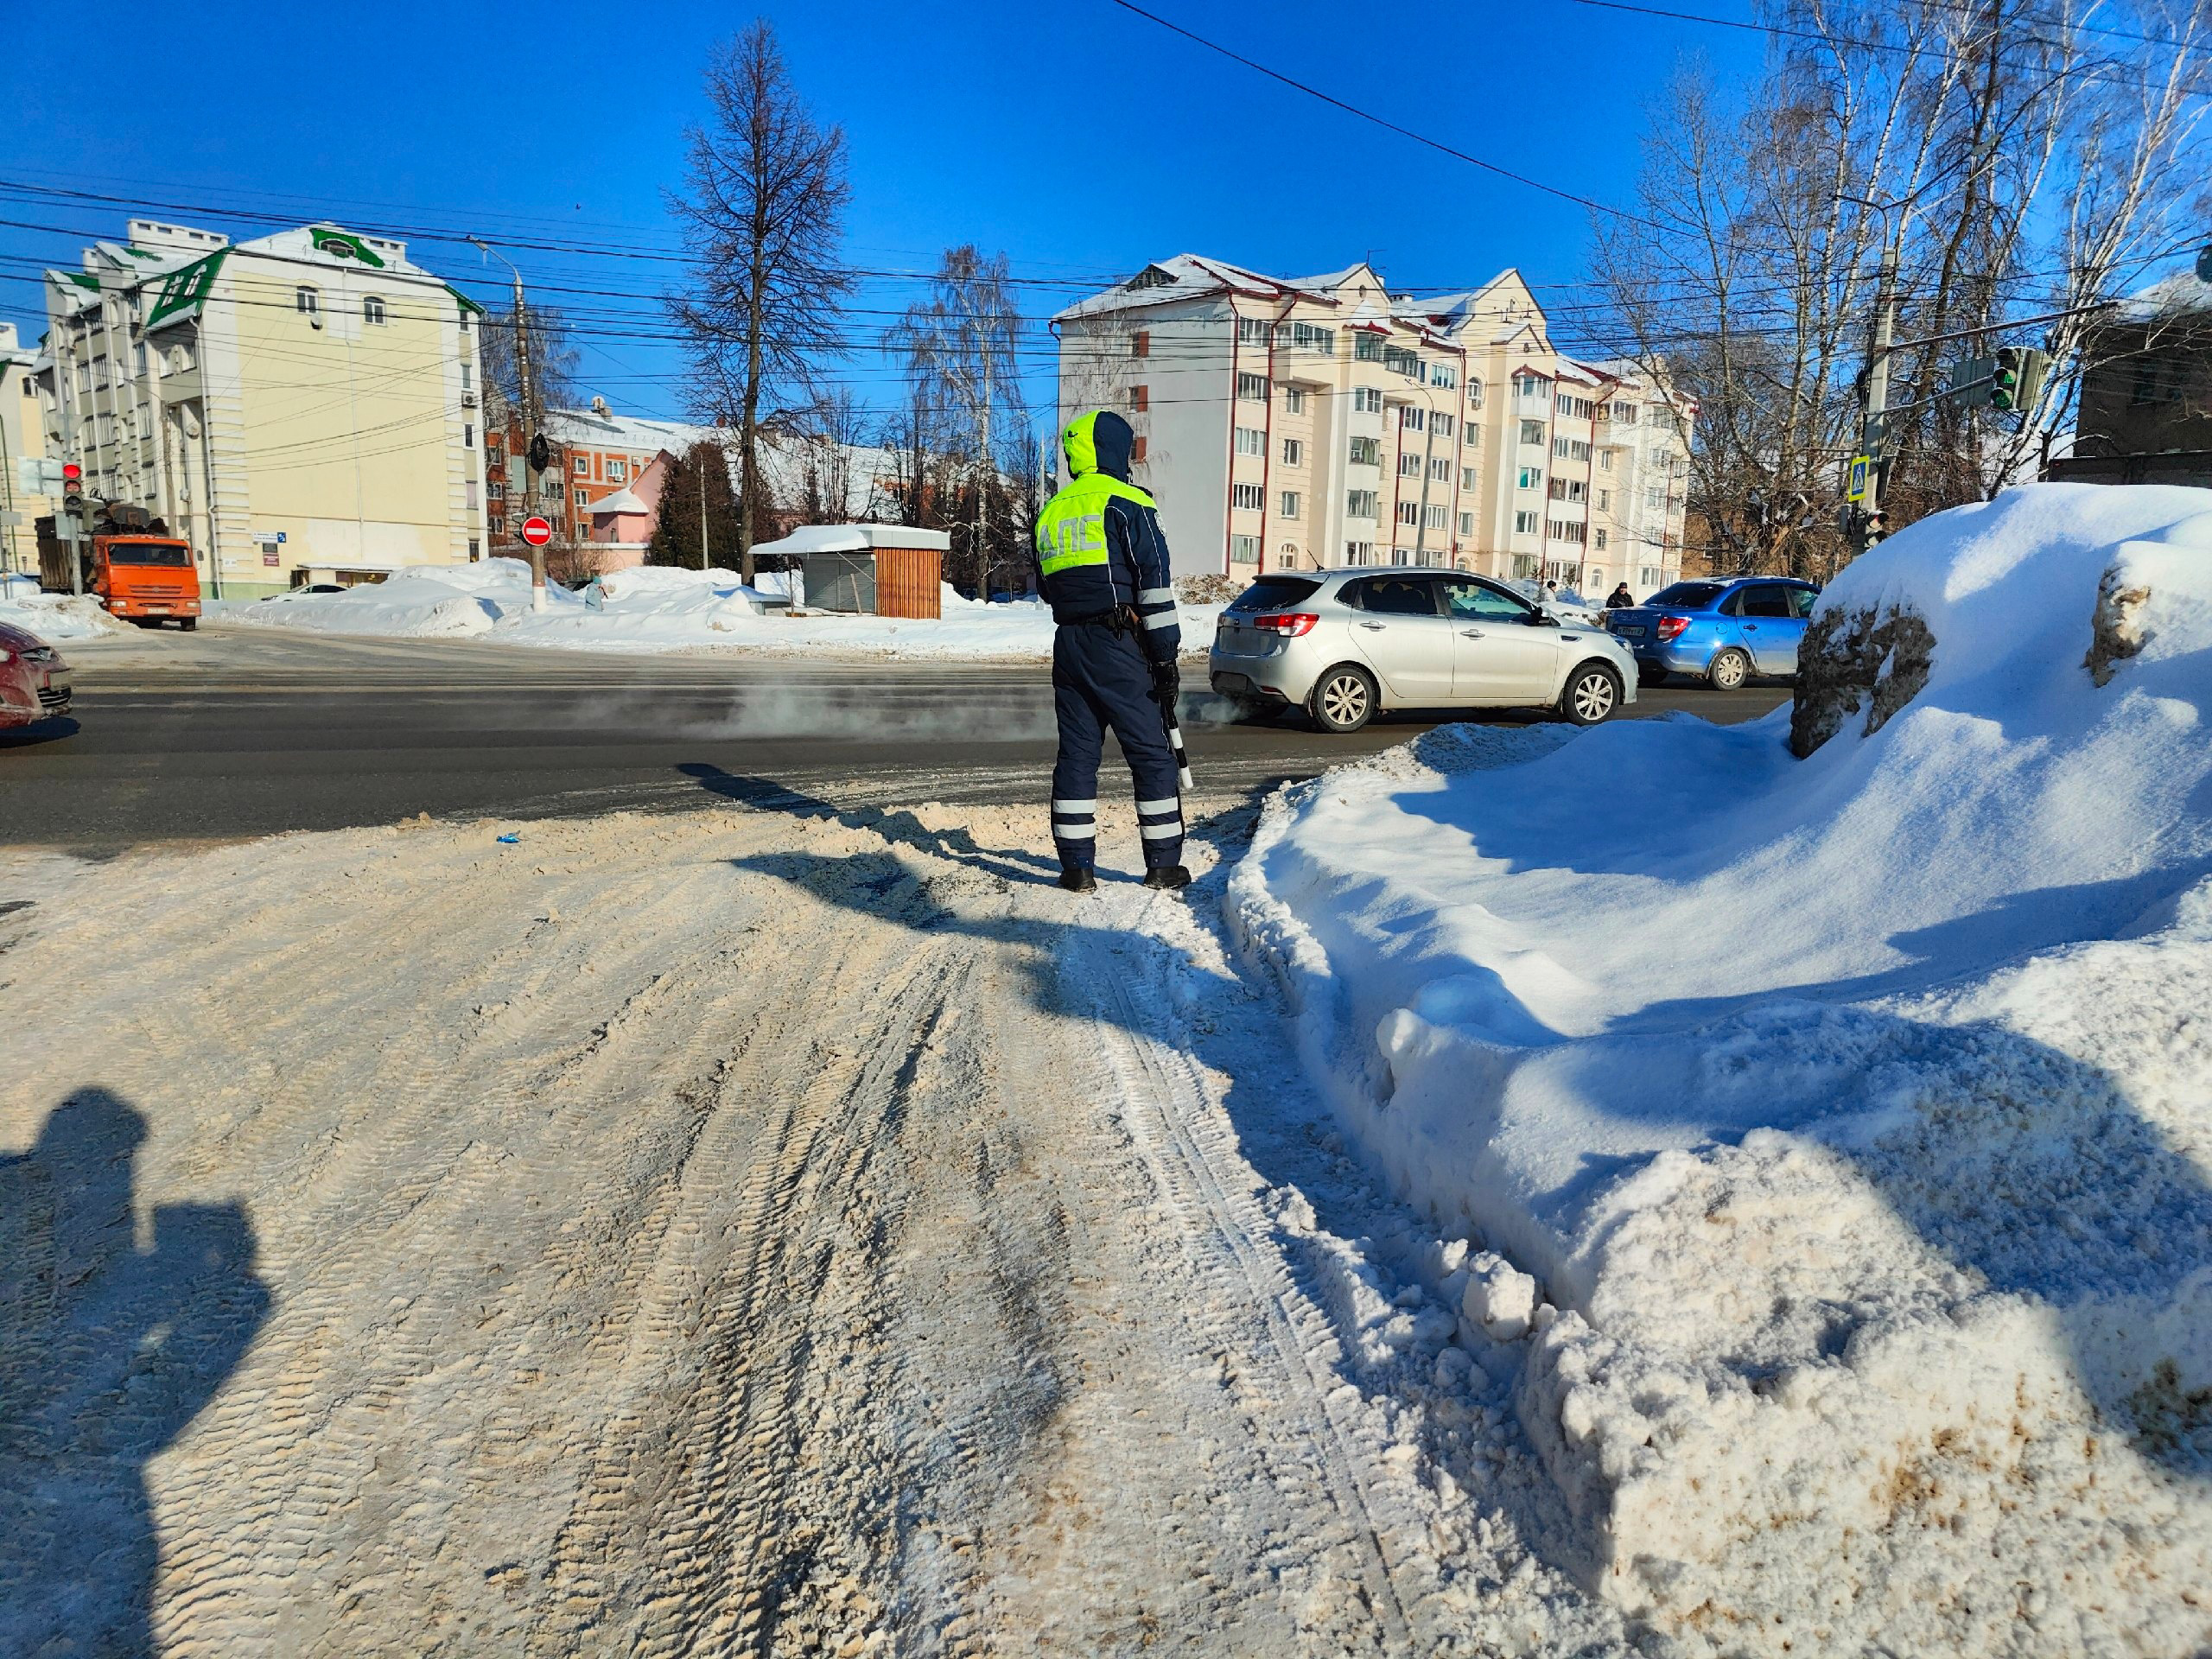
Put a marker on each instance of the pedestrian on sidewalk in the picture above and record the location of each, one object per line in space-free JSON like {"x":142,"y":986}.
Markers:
{"x":1102,"y":567}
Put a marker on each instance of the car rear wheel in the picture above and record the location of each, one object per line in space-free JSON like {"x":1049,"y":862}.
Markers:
{"x":1343,"y":699}
{"x":1729,"y":670}
{"x":1593,"y":694}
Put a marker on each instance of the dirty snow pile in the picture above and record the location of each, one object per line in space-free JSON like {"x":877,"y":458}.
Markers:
{"x":658,"y":608}
{"x":1833,"y":1136}
{"x":53,"y":617}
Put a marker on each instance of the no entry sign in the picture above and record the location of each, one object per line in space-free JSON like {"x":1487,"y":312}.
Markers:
{"x":537,"y":531}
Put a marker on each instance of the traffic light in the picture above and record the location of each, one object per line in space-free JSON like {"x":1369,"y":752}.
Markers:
{"x":2018,"y":376}
{"x":73,"y":488}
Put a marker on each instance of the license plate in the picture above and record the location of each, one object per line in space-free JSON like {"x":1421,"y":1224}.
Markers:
{"x":157,"y":610}
{"x":1634,"y":634}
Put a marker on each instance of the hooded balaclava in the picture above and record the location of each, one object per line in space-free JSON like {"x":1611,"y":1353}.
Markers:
{"x":1099,"y":442}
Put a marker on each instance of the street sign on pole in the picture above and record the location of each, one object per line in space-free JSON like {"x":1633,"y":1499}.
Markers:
{"x":1854,"y":487}
{"x":537,"y":531}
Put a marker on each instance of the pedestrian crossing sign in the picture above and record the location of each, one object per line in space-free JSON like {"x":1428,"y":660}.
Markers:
{"x":1854,"y":488}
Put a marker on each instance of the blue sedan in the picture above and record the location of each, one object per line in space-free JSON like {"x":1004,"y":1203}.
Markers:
{"x":1722,"y":631}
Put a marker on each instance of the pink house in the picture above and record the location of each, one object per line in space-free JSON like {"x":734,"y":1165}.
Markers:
{"x":623,"y":523}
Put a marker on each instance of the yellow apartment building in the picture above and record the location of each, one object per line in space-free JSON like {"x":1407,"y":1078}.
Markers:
{"x":305,"y":405}
{"x":1316,"y":422}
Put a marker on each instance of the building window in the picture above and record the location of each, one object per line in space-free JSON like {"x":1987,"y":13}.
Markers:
{"x":1532,"y":431}
{"x":1244,"y":549}
{"x":1410,"y":418}
{"x":1532,"y":478}
{"x":580,"y":466}
{"x":372,"y":311}
{"x":498,"y":526}
{"x":471,"y":494}
{"x":1524,"y":523}
{"x":1141,"y":343}
{"x":1569,"y":489}
{"x":1440,"y":425}
{"x":1308,"y":337}
{"x":1252,"y":388}
{"x":1605,"y":460}
{"x":1249,"y":498}
{"x":1293,"y":401}
{"x":1443,"y":375}
{"x":1254,"y":331}
{"x":1580,"y":408}
{"x":616,"y":472}
{"x":1409,"y":513}
{"x":304,"y":300}
{"x":1251,"y":441}
{"x":1362,"y":504}
{"x":1625,"y":413}
{"x":1605,"y":500}
{"x":1136,"y":449}
{"x":1366,"y":400}
{"x":1286,"y":505}
{"x":1140,"y":399}
{"x":1466,"y":524}
{"x":1474,"y":393}
{"x":1601,"y":541}
{"x":496,"y":490}
{"x":1367,"y":451}
{"x":1440,"y":468}
{"x":1409,"y":465}
{"x":1399,"y":359}
{"x":1294,"y":452}
{"x":1567,"y":530}
{"x":1366,"y":347}
{"x":1432,"y":516}
{"x":1359,"y":552}
{"x":1469,"y":477}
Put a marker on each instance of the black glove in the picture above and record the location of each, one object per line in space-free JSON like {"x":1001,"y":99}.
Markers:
{"x":1167,"y":680}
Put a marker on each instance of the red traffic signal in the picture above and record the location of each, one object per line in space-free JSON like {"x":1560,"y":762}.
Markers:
{"x":71,"y":472}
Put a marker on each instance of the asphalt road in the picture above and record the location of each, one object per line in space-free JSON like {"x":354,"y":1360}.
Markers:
{"x":231,"y":733}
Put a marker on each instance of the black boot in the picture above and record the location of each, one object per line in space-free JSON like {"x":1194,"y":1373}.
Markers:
{"x":1078,"y":879}
{"x":1172,"y":878}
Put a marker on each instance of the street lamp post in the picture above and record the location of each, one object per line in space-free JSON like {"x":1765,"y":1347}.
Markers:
{"x":528,"y":418}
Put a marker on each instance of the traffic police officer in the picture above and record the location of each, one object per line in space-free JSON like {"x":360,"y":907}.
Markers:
{"x":1105,"y":566}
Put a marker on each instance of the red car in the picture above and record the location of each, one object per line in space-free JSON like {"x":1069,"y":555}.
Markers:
{"x":34,"y":680}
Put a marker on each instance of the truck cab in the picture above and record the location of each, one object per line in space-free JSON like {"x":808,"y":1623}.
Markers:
{"x":148,"y":579}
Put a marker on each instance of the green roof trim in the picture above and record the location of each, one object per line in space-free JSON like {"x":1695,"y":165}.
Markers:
{"x":467,"y":304}
{"x":328,"y":238}
{"x":184,"y":288}
{"x":84,"y":279}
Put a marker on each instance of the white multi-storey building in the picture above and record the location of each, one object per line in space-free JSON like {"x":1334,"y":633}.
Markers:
{"x":1306,"y":423}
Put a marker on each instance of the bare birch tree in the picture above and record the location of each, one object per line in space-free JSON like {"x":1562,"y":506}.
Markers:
{"x":762,"y":215}
{"x":2014,"y":163}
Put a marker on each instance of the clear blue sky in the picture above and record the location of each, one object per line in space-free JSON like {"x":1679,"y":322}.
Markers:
{"x":1079,"y":139}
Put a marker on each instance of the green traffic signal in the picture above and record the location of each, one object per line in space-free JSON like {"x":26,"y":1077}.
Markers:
{"x":2005,"y":384}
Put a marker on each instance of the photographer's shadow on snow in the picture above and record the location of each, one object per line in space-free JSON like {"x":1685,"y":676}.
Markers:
{"x":892,"y":823}
{"x":108,"y":1350}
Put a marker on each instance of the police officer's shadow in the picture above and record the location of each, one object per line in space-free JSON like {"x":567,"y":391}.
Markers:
{"x":892,"y":823}
{"x":107,"y":1351}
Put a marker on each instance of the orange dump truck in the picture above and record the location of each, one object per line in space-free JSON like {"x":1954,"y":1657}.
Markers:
{"x":139,"y":576}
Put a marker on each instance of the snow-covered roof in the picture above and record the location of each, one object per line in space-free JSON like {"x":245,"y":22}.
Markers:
{"x":623,"y":500}
{"x":607,"y":430}
{"x":1194,"y":276}
{"x":854,"y":539}
{"x":2182,"y":294}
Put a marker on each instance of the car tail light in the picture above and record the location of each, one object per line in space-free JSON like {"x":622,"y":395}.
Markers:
{"x":1671,"y":626}
{"x":1289,"y":624}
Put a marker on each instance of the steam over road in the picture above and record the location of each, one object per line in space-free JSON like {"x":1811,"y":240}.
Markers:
{"x":223,"y":734}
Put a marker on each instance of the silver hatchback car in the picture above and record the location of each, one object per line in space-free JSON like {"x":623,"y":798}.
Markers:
{"x":1343,"y":645}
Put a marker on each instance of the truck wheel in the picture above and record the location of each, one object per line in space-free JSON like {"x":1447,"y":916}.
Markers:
{"x":1729,"y":670}
{"x":187,"y":623}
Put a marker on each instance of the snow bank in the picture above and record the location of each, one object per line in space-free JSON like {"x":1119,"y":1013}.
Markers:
{"x":54,"y":617}
{"x":659,"y":609}
{"x":1837,"y":1132}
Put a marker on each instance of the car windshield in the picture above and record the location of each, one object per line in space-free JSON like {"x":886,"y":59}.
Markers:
{"x":147,"y":553}
{"x":1273,"y":593}
{"x":1688,"y":595}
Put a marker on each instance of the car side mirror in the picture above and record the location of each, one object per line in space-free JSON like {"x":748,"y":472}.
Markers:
{"x":1542,"y":619}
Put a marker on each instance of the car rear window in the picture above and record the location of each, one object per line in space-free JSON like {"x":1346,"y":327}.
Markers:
{"x":1273,"y":593}
{"x":146,"y":553}
{"x":1688,"y":595}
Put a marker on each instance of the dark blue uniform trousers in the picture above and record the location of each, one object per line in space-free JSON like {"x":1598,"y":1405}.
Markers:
{"x":1100,"y":678}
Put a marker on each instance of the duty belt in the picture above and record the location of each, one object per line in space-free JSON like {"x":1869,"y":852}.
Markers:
{"x":1121,"y":619}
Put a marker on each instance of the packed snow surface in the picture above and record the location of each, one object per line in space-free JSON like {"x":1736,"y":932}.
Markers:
{"x":658,"y":608}
{"x":1832,"y":1136}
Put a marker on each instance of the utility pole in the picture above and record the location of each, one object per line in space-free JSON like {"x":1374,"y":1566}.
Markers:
{"x":529,"y":421}
{"x":1873,"y":432}
{"x":705,"y":562}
